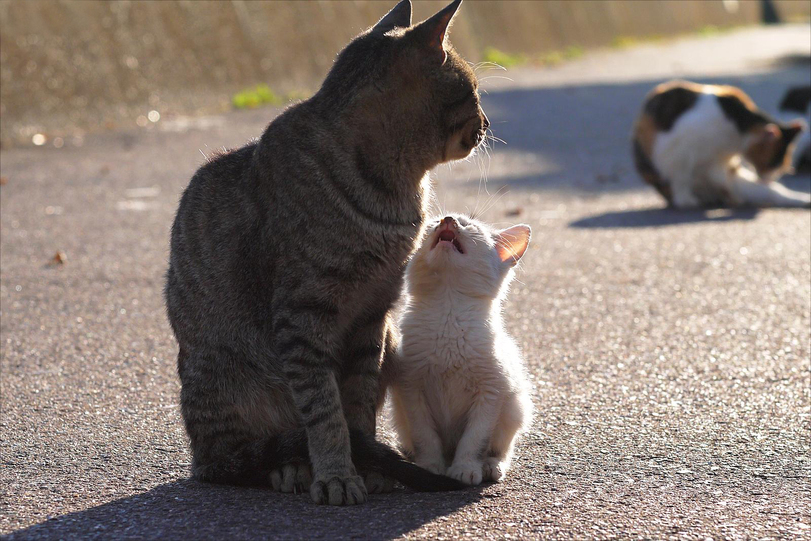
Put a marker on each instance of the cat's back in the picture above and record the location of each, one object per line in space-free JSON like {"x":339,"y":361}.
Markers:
{"x":214,"y":241}
{"x":705,"y":116}
{"x":683,"y":124}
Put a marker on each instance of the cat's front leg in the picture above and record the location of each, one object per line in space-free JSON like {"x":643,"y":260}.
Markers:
{"x":360,"y":382}
{"x":360,"y":388}
{"x":683,"y":196}
{"x":317,"y":398}
{"x":468,"y":461}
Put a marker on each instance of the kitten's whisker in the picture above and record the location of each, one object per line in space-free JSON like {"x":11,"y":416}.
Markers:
{"x":511,"y":247}
{"x":495,"y":198}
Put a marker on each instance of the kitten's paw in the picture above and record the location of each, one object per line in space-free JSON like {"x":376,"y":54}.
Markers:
{"x":377,"y":483}
{"x":295,"y":478}
{"x":469,"y":472}
{"x":493,"y":469}
{"x":338,"y":490}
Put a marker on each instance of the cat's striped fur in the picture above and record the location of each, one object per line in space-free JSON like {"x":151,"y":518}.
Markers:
{"x":710,"y":145}
{"x":286,"y":258}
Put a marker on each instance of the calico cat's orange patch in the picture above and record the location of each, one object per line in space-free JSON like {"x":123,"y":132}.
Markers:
{"x":761,"y":152}
{"x":645,"y":132}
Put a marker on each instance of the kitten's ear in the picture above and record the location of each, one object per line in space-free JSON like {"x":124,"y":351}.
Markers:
{"x":511,"y":243}
{"x":435,"y":29}
{"x":400,"y":15}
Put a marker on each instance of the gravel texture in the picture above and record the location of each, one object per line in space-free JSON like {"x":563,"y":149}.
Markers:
{"x":669,"y":351}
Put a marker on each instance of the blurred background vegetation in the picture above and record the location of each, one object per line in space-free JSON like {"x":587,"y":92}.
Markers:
{"x":67,"y":67}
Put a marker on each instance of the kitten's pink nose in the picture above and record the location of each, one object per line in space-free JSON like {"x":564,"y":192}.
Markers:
{"x":448,"y":220}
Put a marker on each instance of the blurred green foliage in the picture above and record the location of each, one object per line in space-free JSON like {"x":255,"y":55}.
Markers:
{"x":255,"y":97}
{"x":551,"y":58}
{"x":505,"y":60}
{"x":260,"y":95}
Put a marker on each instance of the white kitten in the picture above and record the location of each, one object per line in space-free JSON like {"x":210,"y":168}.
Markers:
{"x":461,"y":396}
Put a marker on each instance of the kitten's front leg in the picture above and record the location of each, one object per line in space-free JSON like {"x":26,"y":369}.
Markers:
{"x":513,"y":417}
{"x":468,"y":461}
{"x":416,"y":428}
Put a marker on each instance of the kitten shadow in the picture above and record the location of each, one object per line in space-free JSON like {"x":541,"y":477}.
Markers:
{"x":661,"y":217}
{"x":187,"y":509}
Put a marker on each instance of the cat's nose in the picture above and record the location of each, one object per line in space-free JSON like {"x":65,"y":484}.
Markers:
{"x":485,"y":121}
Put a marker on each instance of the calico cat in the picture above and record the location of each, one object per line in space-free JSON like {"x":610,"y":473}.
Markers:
{"x":706,"y":145}
{"x":461,"y":396}
{"x":288,"y":253}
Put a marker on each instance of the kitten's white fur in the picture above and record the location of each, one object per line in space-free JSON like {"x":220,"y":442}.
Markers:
{"x":461,"y":395}
{"x":703,"y":152}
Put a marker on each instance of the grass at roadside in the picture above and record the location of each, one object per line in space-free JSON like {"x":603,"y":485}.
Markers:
{"x":260,"y":95}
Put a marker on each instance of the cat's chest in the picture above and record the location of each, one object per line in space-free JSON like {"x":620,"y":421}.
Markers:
{"x":447,"y":346}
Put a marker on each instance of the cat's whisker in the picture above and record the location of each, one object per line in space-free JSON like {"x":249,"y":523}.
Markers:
{"x":489,"y":135}
{"x":483,"y":79}
{"x":487,"y":65}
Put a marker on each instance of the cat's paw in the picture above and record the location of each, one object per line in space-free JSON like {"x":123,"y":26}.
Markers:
{"x":493,"y":469}
{"x":348,"y":490}
{"x":295,"y":478}
{"x":469,"y":472}
{"x":377,"y":483}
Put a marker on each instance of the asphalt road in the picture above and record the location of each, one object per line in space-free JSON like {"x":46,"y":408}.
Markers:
{"x":669,"y":351}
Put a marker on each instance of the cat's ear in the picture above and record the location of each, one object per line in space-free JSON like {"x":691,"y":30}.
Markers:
{"x":792,"y":130}
{"x":771,"y":132}
{"x":400,"y":15}
{"x":434,"y":30}
{"x":511,"y":243}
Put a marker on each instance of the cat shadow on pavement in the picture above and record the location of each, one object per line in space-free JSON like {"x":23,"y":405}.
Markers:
{"x":660,"y":217}
{"x":188,"y":509}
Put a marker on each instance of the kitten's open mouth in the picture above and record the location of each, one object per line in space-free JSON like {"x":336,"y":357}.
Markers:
{"x":450,"y":238}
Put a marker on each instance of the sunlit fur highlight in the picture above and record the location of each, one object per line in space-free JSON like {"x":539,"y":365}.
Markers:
{"x":461,"y":397}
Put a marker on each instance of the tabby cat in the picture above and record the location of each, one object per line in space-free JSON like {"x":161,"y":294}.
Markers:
{"x":707,"y":145}
{"x":288,"y":253}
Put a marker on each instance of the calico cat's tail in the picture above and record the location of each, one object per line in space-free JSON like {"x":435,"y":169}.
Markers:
{"x":251,"y":464}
